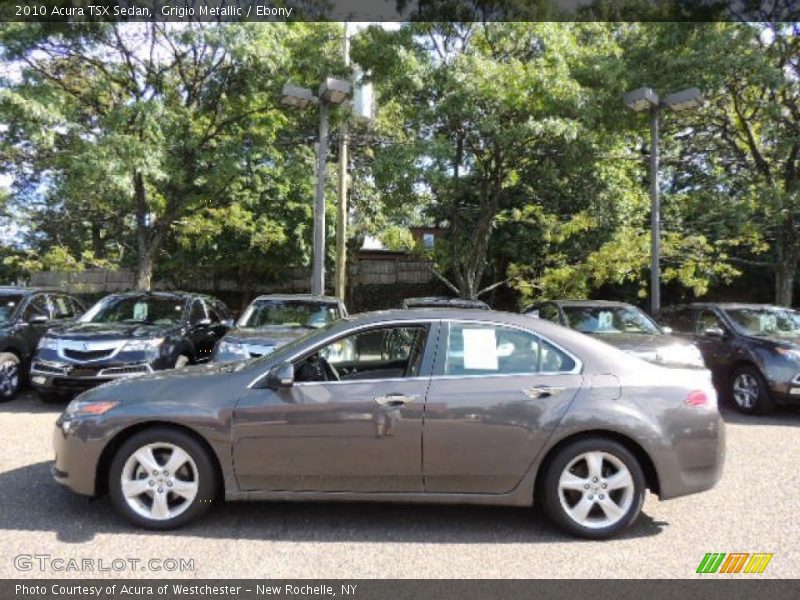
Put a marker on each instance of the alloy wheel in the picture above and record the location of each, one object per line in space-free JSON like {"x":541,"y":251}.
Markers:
{"x":746,"y":390}
{"x":159,"y":481}
{"x":9,"y":378}
{"x":596,"y":489}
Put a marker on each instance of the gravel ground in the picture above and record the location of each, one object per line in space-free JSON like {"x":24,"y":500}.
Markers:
{"x":753,"y":509}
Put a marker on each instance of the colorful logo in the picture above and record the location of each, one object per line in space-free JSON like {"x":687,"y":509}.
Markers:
{"x":735,"y":562}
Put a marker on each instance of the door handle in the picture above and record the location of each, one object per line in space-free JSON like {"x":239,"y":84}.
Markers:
{"x":544,"y":391}
{"x":394,"y":399}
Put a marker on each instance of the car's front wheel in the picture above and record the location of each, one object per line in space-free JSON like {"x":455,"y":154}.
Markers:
{"x":10,"y":376}
{"x":593,"y":488}
{"x":749,"y":391}
{"x":162,"y":478}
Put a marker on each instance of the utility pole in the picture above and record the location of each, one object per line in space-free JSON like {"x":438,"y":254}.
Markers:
{"x":341,"y":212}
{"x":318,"y":275}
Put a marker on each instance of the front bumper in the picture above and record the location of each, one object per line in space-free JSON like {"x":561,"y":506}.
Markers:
{"x":65,"y":378}
{"x":77,"y":448}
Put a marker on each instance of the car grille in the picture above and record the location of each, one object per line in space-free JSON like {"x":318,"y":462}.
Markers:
{"x":88,"y":354}
{"x":122,"y":371}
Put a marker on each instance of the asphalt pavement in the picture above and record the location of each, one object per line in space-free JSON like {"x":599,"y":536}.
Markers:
{"x":47,"y":531}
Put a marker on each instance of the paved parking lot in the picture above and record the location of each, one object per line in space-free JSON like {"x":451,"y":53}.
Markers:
{"x":753,"y":509}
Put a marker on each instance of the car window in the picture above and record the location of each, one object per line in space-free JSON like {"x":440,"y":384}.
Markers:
{"x":62,"y":307}
{"x":708,"y":320}
{"x":77,"y":307}
{"x":37,"y":306}
{"x":8,"y":306}
{"x":550,"y":312}
{"x":382,"y":353}
{"x":681,"y":320}
{"x":213,"y":312}
{"x":197,"y":312}
{"x":483,"y":349}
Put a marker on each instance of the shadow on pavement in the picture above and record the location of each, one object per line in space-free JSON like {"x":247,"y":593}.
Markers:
{"x":784,"y":416}
{"x":32,"y":501}
{"x":28,"y":402}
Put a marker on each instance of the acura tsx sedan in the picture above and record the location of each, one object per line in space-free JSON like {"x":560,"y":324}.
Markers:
{"x":441,"y":405}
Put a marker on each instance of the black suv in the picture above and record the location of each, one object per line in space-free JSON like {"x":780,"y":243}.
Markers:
{"x":753,"y":350}
{"x":25,"y":315}
{"x":128,"y":334}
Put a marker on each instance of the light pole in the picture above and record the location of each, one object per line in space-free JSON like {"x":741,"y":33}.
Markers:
{"x":331,"y":92}
{"x":646,"y":99}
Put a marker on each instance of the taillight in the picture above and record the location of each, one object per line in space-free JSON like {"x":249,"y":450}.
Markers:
{"x":697,"y":398}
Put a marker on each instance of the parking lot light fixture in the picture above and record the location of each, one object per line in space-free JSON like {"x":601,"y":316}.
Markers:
{"x":639,"y":100}
{"x":331,"y":92}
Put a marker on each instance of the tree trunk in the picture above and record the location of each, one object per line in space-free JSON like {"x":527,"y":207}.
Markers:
{"x":784,"y":282}
{"x":144,"y":272}
{"x":148,"y":237}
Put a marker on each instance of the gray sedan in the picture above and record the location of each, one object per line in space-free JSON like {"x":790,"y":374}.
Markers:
{"x":434,"y":405}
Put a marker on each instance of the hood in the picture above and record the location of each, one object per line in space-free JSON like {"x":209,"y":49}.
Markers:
{"x":110,"y":331}
{"x":272,"y":336}
{"x":777,"y":340}
{"x":173,"y":386}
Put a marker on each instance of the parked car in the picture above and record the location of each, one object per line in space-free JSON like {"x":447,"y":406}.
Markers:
{"x":444,"y":302}
{"x":128,"y":334}
{"x":273,"y":320}
{"x":753,"y":350}
{"x":622,"y":325}
{"x":25,"y":314}
{"x":428,"y":410}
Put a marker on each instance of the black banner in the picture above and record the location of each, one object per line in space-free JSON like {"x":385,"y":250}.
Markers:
{"x":399,"y":10}
{"x":739,"y":587}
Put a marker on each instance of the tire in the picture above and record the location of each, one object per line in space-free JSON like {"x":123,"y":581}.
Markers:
{"x":52,"y":397}
{"x":181,"y":361}
{"x":158,"y":506}
{"x":10,"y":376}
{"x":749,"y":392}
{"x":593,"y":512}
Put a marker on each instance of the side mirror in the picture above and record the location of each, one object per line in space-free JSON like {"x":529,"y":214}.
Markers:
{"x":667,"y":330}
{"x":229,"y":323}
{"x":280,"y":376}
{"x":714,"y":332}
{"x":203,"y":322}
{"x":38,"y":319}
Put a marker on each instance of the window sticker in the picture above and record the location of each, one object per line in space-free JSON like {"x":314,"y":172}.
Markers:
{"x":480,"y":349}
{"x":768,"y":323}
{"x":140,"y":311}
{"x":605,"y":320}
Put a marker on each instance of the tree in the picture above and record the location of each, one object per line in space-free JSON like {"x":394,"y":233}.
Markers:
{"x":159,"y":113}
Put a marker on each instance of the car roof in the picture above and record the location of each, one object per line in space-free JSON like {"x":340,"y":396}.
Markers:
{"x":443,"y":300}
{"x":23,"y":290}
{"x":724,"y":305}
{"x":159,"y":293}
{"x":303,"y":297}
{"x":608,"y":303}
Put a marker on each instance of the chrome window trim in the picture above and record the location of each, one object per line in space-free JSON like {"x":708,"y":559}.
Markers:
{"x":576,"y":370}
{"x":330,"y":338}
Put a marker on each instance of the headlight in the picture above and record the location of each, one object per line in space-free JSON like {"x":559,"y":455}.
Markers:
{"x":146,"y":345}
{"x":682,"y":355}
{"x":233,"y":348}
{"x":790,"y":353}
{"x":47,"y":343}
{"x":89,"y":407}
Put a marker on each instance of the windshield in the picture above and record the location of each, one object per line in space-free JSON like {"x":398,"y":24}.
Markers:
{"x":8,"y":306}
{"x":766,"y":321}
{"x":288,"y":313}
{"x":614,"y":319}
{"x":150,"y":310}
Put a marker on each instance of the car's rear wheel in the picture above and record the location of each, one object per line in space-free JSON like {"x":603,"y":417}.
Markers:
{"x":10,"y":376}
{"x":749,"y":391}
{"x":593,"y":488}
{"x":162,"y":478}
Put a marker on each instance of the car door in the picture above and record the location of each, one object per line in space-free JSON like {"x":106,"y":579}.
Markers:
{"x":496,"y":397}
{"x":200,"y":331}
{"x":36,"y":319}
{"x":714,"y":339}
{"x":361,"y":433}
